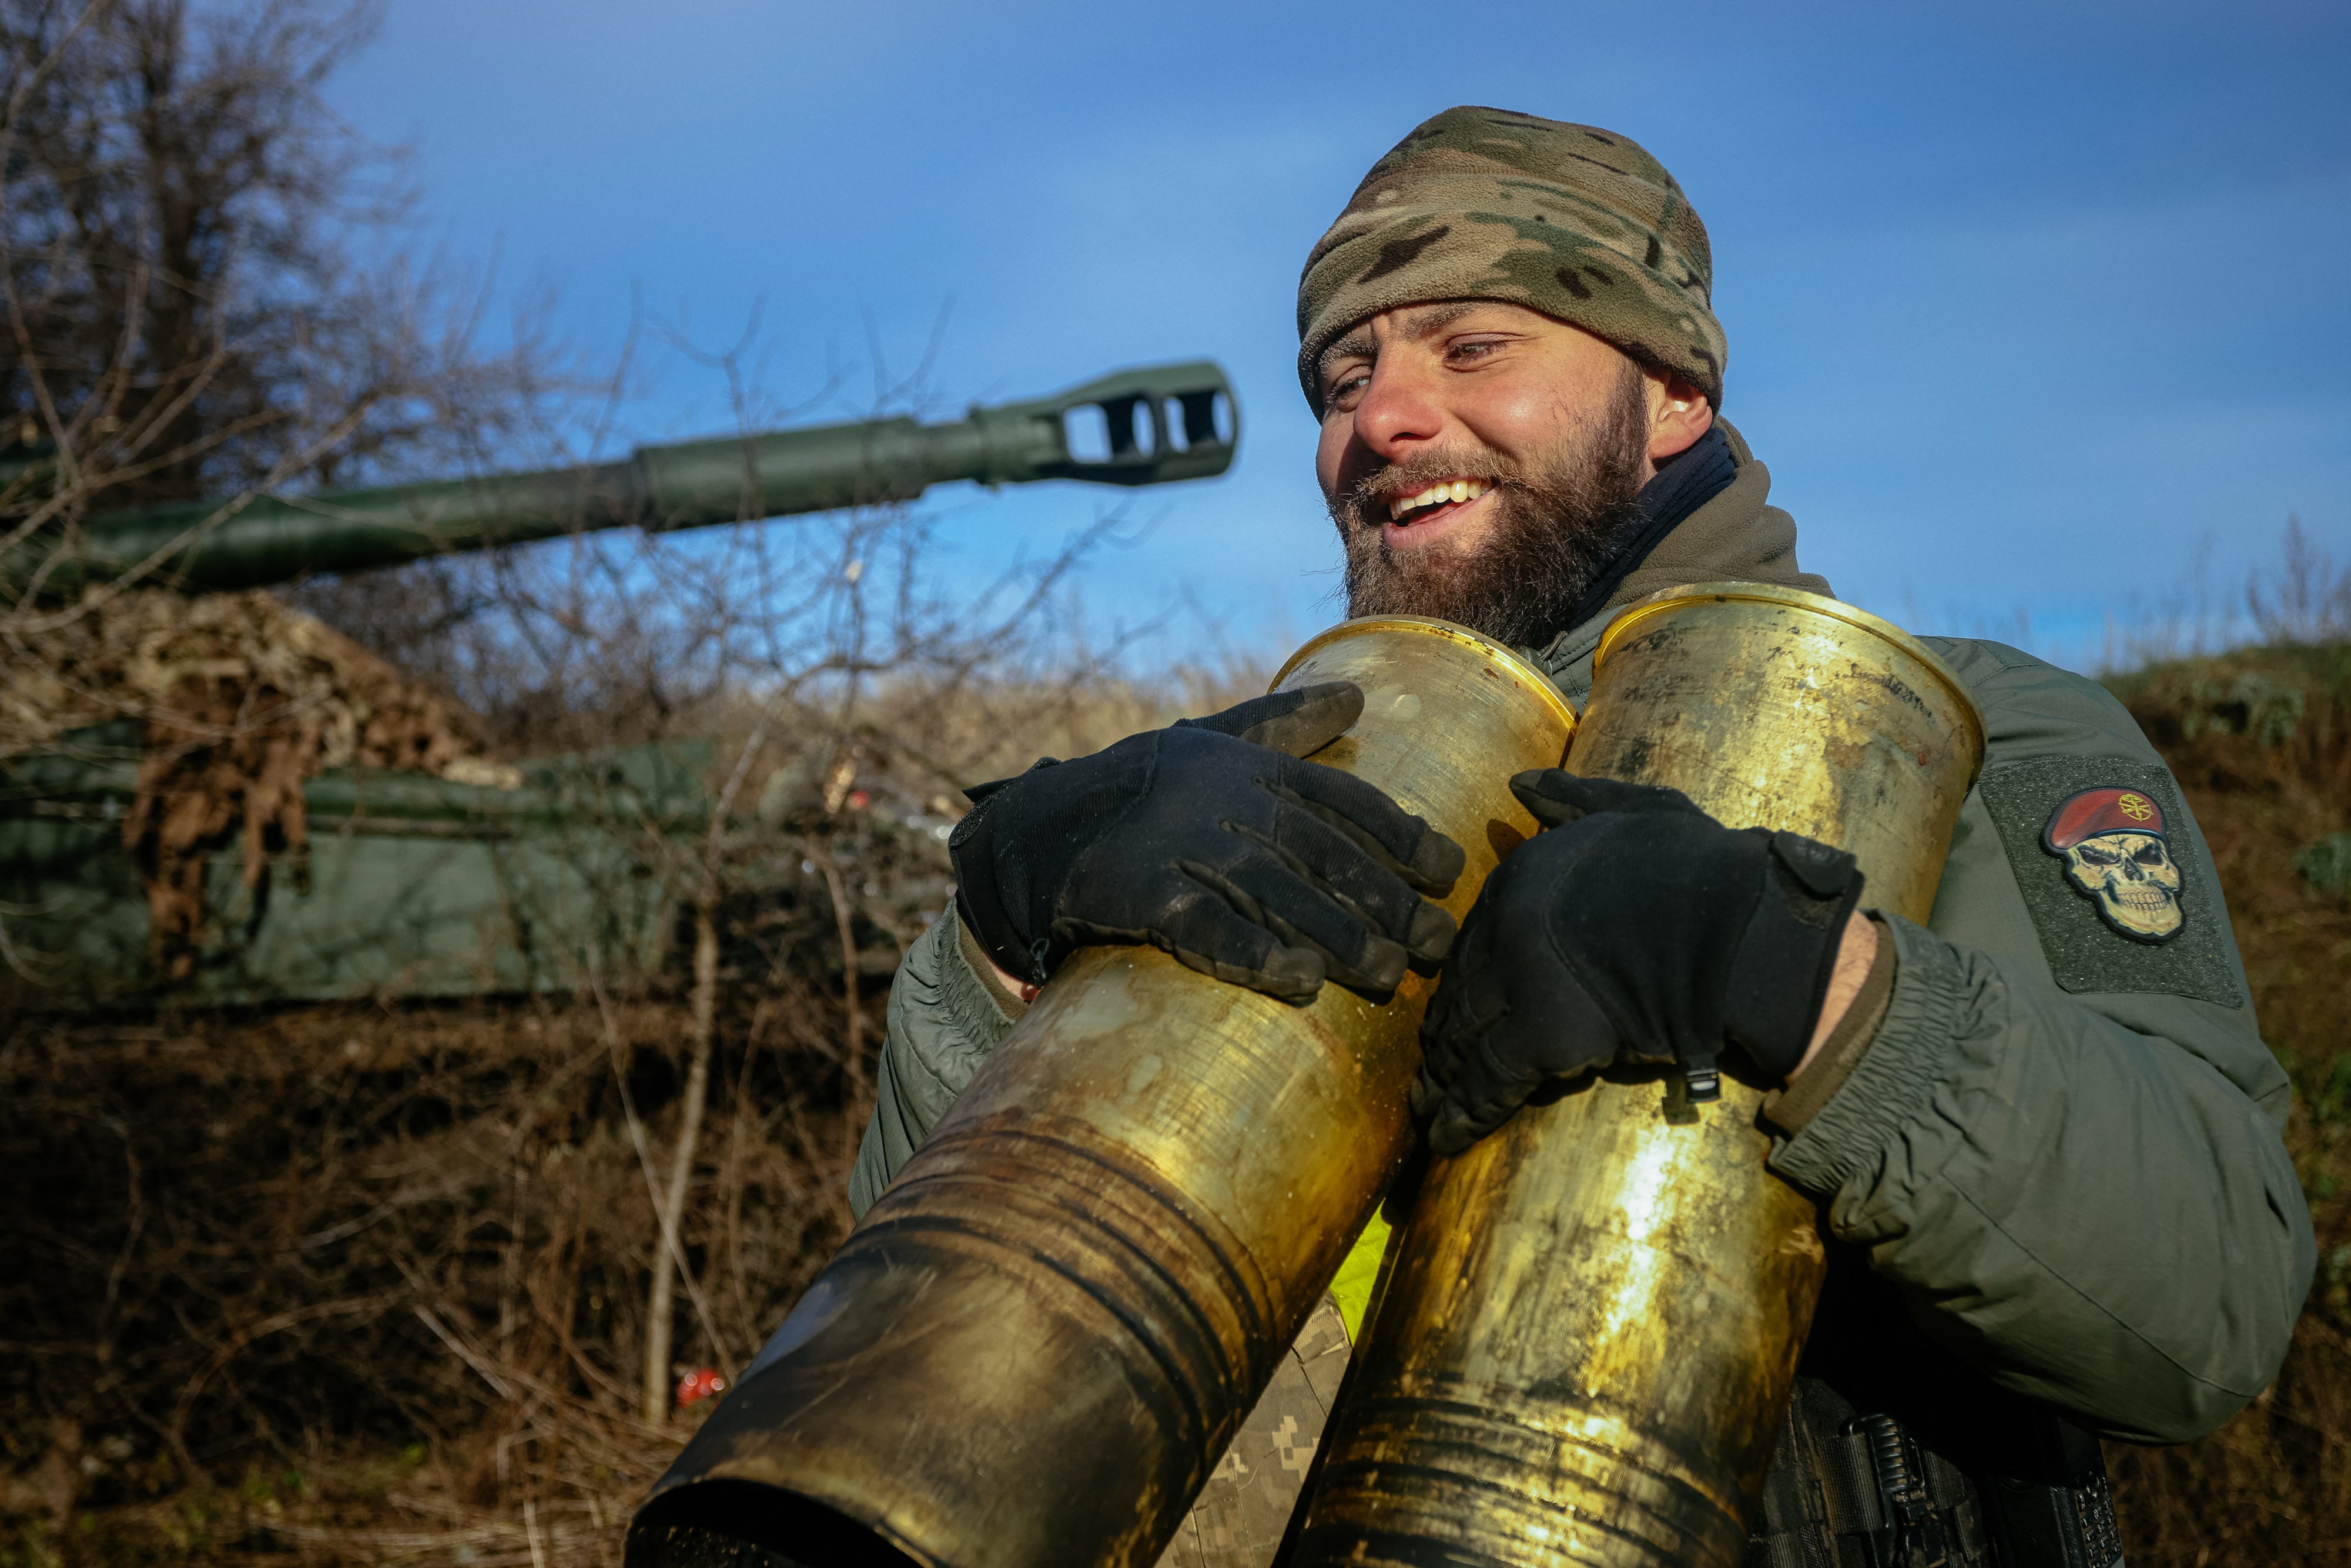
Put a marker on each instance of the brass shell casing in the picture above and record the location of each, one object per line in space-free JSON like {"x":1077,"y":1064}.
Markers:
{"x":1041,"y":1337}
{"x":1591,"y":1321}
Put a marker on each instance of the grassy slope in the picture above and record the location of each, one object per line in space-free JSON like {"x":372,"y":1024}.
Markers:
{"x":2261,"y":742}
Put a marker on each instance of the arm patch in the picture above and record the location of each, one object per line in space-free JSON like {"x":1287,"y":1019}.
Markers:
{"x":2117,"y":907}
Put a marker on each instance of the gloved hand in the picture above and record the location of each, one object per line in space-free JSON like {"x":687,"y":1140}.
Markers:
{"x":1213,"y":841}
{"x":1635,"y":929}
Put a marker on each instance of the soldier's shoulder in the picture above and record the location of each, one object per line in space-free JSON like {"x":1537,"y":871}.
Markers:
{"x":2100,"y":842}
{"x":2034,"y":709}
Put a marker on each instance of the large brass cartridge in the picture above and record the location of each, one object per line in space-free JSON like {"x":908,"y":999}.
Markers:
{"x":1591,"y":1321}
{"x":1041,"y":1337}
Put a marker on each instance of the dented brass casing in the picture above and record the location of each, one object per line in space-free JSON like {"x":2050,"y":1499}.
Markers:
{"x":1591,"y":1321}
{"x":1042,"y":1336}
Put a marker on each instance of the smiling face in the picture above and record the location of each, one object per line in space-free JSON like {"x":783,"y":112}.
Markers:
{"x":1482,"y":459}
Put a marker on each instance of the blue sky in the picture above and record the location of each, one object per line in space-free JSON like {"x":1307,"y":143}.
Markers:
{"x":2025,"y":303}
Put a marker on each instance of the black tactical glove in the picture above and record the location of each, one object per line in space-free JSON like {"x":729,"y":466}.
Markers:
{"x":1213,"y":841}
{"x":1635,"y":929}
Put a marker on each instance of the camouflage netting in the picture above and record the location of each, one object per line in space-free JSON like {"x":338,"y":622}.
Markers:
{"x":238,"y":700}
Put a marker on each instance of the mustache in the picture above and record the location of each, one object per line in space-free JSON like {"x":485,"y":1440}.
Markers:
{"x":1367,"y":499}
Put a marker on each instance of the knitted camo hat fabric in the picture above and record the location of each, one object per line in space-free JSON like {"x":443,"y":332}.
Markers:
{"x":1482,"y":203}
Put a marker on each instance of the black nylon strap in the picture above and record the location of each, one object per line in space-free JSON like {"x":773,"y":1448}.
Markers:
{"x":1789,"y":1549}
{"x":1849,"y":1486}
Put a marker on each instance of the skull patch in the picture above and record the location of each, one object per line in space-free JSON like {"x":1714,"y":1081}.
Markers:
{"x":2113,"y":844}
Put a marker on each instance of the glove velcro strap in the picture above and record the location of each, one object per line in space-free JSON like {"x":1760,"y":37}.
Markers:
{"x":1780,"y":975}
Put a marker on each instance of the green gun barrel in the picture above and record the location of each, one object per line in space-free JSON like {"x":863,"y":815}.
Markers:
{"x":1162,"y":427}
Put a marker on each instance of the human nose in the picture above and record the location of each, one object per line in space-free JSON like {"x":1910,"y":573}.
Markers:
{"x":1399,"y":411}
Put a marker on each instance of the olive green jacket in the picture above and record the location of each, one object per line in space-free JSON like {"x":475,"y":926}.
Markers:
{"x":2061,"y":1145}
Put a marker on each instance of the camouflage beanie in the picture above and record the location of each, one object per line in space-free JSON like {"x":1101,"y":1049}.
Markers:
{"x":1482,"y":203}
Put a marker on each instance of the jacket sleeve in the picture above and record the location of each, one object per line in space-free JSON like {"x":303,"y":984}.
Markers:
{"x":942,"y":1026}
{"x":2082,"y":1190}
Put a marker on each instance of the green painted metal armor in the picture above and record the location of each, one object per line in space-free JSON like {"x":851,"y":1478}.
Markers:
{"x":410,"y":886}
{"x":415,"y":886}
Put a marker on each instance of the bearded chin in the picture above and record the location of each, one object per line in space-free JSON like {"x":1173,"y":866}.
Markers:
{"x":1518,"y":585}
{"x":1554,"y":534}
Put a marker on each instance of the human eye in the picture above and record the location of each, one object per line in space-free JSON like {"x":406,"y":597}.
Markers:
{"x":1346,"y":386}
{"x":1472,"y":347}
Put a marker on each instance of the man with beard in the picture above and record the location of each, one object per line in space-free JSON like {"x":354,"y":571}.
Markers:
{"x":2043,"y":1127}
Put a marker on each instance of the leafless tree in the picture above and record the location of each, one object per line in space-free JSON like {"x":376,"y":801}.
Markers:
{"x":501,"y":1226}
{"x":204,"y":295}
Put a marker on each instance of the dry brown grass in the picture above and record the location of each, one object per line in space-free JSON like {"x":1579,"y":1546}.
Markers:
{"x":369,"y":1282}
{"x":365,"y":1284}
{"x":2261,"y":744}
{"x":357,"y":1283}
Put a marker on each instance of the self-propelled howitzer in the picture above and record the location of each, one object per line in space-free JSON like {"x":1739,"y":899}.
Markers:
{"x":1163,"y":422}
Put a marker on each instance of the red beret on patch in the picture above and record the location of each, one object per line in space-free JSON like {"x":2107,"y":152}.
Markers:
{"x":2096,"y":811}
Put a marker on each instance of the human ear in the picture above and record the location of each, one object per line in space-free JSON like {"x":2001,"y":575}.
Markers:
{"x":1678,"y":414}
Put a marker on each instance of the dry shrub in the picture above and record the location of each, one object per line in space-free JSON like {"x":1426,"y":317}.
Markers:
{"x":366,"y":1283}
{"x":981,"y":729}
{"x":2261,"y":742}
{"x":262,"y":1245}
